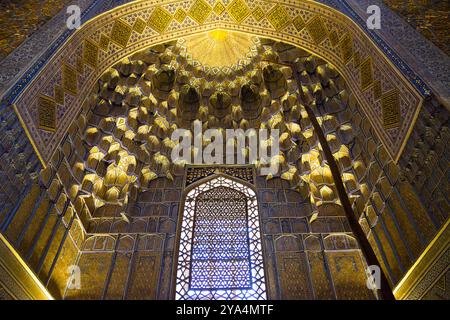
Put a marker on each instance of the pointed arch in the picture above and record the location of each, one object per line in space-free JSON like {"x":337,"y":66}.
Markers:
{"x":220,"y":252}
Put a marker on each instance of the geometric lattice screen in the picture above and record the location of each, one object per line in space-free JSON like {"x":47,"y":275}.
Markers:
{"x":220,"y":253}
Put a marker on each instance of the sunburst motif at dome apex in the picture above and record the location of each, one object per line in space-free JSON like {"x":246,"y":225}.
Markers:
{"x":219,"y":48}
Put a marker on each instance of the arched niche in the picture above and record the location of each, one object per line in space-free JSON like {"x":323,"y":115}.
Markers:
{"x":48,"y":106}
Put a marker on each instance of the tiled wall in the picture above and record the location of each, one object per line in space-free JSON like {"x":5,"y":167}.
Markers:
{"x":20,"y":19}
{"x":429,"y":17}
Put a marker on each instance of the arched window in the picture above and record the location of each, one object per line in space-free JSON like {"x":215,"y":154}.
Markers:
{"x":220,"y":253}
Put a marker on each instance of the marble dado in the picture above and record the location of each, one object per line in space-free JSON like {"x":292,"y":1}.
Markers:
{"x":387,"y":98}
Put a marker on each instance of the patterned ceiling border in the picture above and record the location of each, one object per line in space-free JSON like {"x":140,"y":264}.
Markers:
{"x":54,"y":98}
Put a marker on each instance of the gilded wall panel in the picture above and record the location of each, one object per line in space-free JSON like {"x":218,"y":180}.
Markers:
{"x":321,"y":283}
{"x":119,"y":276}
{"x":349,"y":281}
{"x":294,"y":276}
{"x":61,"y":272}
{"x":42,"y":239}
{"x":94,"y":267}
{"x":145,"y":276}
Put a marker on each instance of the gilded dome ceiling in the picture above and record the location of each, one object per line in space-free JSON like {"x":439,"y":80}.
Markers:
{"x":139,"y":102}
{"x":220,"y":48}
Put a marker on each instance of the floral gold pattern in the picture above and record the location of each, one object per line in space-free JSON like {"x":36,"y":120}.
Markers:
{"x":69,"y":79}
{"x":278,"y":17}
{"x":346,"y":48}
{"x":59,"y":94}
{"x":334,"y":38}
{"x":121,"y":33}
{"x":200,"y":11}
{"x":47,"y":113}
{"x":299,"y":24}
{"x":139,"y":25}
{"x":180,"y":15}
{"x":391,"y":109}
{"x":258,"y":14}
{"x":366,"y":73}
{"x":90,"y":53}
{"x":104,"y":42}
{"x":219,"y":8}
{"x":159,"y":19}
{"x":317,"y":29}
